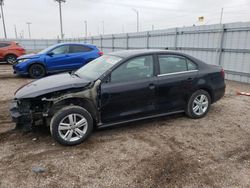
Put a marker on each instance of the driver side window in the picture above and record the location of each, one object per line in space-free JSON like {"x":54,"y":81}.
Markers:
{"x":134,"y":69}
{"x":60,"y":50}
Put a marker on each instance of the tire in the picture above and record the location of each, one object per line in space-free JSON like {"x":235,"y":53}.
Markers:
{"x":11,"y":59}
{"x":37,"y":71}
{"x":198,"y":104}
{"x":69,"y":134}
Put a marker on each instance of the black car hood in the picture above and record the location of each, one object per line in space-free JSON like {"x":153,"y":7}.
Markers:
{"x":50,"y":84}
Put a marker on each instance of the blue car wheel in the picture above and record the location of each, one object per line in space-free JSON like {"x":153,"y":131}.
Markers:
{"x":37,"y":71}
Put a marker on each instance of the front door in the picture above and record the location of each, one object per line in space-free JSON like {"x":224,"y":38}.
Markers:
{"x":130,"y":91}
{"x":58,"y":59}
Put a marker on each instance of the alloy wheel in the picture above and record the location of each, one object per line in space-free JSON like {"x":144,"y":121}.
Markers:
{"x":72,"y":127}
{"x":11,"y":59}
{"x":200,"y":105}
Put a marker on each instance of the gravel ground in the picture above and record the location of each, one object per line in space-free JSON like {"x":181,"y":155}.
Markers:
{"x":173,"y":151}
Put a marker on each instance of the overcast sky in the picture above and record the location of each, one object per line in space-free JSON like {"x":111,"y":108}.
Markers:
{"x":117,"y":15}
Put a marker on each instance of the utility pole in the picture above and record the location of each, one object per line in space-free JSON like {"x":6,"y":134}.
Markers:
{"x":4,"y":28}
{"x":221,"y":15}
{"x":103,"y":27}
{"x":29,"y":23}
{"x":86,"y":28}
{"x":21,"y":34}
{"x":137,"y":18}
{"x":60,"y":12}
{"x":15,"y":31}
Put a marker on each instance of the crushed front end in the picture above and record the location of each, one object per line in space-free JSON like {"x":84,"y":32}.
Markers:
{"x":28,"y":112}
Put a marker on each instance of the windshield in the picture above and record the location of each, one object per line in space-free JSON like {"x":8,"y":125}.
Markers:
{"x":94,"y":69}
{"x":47,"y":49}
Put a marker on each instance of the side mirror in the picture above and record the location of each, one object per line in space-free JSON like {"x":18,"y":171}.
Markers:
{"x":107,"y":79}
{"x":50,"y":53}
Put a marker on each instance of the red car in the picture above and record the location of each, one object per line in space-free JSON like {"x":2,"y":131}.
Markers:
{"x":10,"y":51}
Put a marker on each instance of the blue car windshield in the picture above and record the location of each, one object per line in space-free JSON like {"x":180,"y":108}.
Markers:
{"x":94,"y":69}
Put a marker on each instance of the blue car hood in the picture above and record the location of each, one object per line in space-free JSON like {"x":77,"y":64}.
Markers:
{"x":50,"y":84}
{"x":29,"y":56}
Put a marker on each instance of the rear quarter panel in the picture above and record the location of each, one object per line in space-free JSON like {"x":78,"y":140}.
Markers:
{"x":210,"y":79}
{"x":89,"y":56}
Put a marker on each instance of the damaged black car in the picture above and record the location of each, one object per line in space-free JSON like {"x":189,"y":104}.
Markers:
{"x":116,"y":88}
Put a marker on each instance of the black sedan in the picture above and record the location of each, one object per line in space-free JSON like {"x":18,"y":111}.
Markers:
{"x":118,"y":88}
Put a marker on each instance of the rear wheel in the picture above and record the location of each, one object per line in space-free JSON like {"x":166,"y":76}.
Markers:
{"x":11,"y":59}
{"x":71,"y":125}
{"x":37,"y":71}
{"x":198,"y":104}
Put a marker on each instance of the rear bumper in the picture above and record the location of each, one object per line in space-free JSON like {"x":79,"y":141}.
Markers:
{"x":219,"y":93}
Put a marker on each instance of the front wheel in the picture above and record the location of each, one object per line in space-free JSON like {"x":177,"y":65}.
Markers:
{"x":37,"y":71}
{"x":198,"y":104}
{"x":71,"y":125}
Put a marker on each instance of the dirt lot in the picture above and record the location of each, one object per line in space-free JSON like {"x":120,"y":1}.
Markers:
{"x":173,"y":151}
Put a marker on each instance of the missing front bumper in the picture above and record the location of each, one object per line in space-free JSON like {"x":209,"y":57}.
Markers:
{"x":22,"y":118}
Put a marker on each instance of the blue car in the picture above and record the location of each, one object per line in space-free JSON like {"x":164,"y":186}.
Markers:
{"x":58,"y":58}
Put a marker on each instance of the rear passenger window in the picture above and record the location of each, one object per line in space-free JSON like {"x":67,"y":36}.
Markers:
{"x":2,"y":45}
{"x":191,"y":65}
{"x":79,"y":49}
{"x":172,"y":64}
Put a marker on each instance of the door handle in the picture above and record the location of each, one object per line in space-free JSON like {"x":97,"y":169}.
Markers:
{"x":190,"y":79}
{"x":151,"y":86}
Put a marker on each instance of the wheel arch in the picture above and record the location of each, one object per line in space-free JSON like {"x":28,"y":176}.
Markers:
{"x":210,"y":92}
{"x":205,"y":88}
{"x":6,"y":55}
{"x":36,"y":62}
{"x":90,"y":59}
{"x":82,"y":102}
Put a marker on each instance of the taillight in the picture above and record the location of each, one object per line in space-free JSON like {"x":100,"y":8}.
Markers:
{"x":20,"y":49}
{"x":100,"y":53}
{"x":222,"y":72}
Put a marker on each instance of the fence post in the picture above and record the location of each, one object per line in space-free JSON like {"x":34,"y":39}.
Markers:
{"x":113,"y":43}
{"x":92,"y":40}
{"x":35,"y":46}
{"x":101,"y":42}
{"x":220,"y":50}
{"x":148,"y":40}
{"x":176,"y":38}
{"x":127,"y":38}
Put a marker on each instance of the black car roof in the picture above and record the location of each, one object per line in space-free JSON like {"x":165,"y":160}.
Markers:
{"x":130,"y":53}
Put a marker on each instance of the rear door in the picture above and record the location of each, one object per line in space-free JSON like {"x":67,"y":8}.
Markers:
{"x":78,"y":55}
{"x":130,"y":91}
{"x":176,"y":79}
